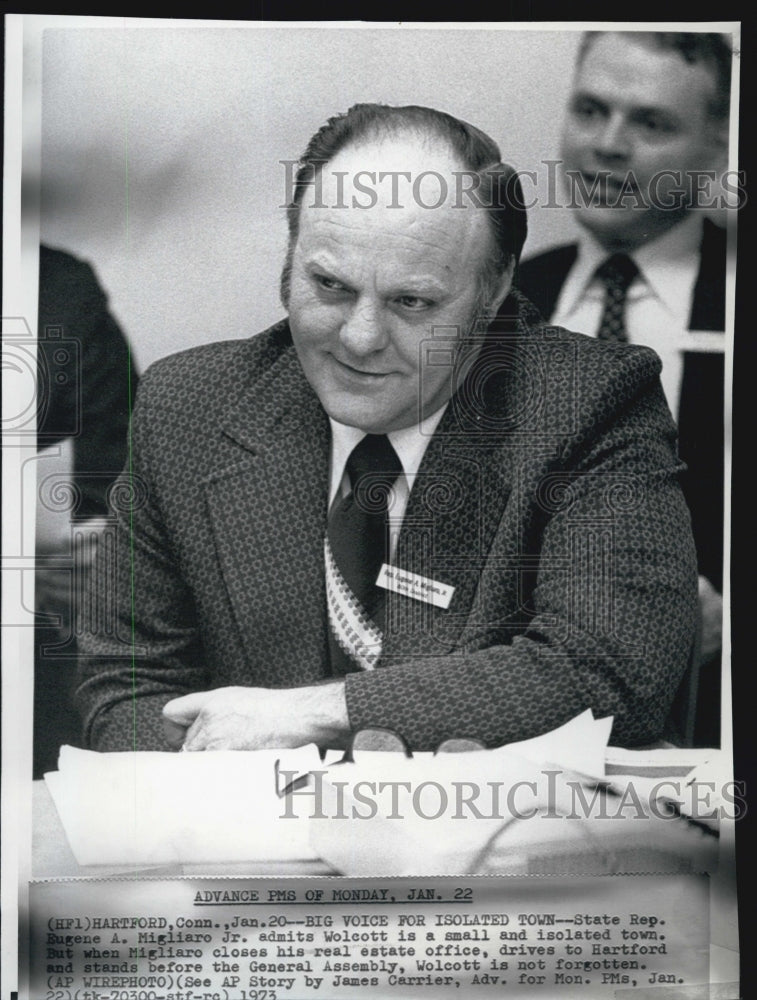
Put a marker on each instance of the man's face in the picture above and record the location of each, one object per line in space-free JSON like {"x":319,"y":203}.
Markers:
{"x":637,"y":108}
{"x":368,"y":286}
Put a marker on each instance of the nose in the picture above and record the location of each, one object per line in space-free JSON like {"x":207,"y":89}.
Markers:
{"x":365,"y":330}
{"x":612,"y":141}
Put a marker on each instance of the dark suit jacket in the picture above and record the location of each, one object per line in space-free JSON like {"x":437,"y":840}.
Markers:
{"x":88,"y":378}
{"x":548,"y":497}
{"x":86,"y":381}
{"x":700,"y":416}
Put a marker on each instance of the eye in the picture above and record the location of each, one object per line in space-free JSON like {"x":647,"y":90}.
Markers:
{"x":414,"y":302}
{"x":586,"y":109}
{"x":656,"y":124}
{"x":329,"y":284}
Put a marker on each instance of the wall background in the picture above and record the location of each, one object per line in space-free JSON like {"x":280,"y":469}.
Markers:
{"x":161,"y":148}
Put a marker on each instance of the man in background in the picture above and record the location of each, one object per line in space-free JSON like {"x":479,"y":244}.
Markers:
{"x":645,"y":132}
{"x":87,"y":381}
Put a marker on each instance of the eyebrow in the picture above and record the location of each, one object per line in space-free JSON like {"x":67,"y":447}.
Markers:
{"x":586,"y":95}
{"x":423,"y":284}
{"x":414,"y":284}
{"x":318,"y":263}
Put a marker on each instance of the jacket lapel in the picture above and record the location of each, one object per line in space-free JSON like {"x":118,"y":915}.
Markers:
{"x":454,"y":509}
{"x":268,"y":511}
{"x":464,"y":485}
{"x":467,"y":480}
{"x":708,"y":300}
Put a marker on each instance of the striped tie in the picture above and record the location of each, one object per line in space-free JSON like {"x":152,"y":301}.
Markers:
{"x":356,"y":545}
{"x":617,"y":274}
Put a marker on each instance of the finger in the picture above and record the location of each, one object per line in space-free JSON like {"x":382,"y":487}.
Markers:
{"x":195,"y":737}
{"x":173,"y":733}
{"x":183,"y":711}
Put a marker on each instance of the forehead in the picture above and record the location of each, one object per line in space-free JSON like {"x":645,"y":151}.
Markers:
{"x":408,"y":189}
{"x":635,"y":71}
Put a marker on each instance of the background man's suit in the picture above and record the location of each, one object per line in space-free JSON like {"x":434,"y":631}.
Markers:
{"x":700,"y":416}
{"x":548,"y":497}
{"x":88,"y":381}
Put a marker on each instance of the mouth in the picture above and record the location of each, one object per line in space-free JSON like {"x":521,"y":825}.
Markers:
{"x":607,"y":187}
{"x":359,"y":373}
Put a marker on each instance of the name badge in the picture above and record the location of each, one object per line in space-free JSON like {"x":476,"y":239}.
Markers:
{"x":420,"y":588}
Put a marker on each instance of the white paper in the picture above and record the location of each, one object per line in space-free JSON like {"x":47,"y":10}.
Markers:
{"x":515,"y":810}
{"x":161,"y":808}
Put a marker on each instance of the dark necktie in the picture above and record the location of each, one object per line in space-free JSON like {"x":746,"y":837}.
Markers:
{"x":617,"y":274}
{"x":355,"y":548}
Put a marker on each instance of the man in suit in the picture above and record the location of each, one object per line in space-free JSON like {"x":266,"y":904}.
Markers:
{"x":647,"y":117}
{"x":385,"y":510}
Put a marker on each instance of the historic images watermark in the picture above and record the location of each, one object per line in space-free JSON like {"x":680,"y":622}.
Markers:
{"x":550,"y":186}
{"x":543,"y":796}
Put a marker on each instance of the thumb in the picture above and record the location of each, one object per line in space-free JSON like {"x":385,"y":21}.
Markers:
{"x":185,"y":710}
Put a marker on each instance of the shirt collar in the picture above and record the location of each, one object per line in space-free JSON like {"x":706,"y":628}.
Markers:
{"x":668,"y":266}
{"x":410,"y":443}
{"x":671,"y":262}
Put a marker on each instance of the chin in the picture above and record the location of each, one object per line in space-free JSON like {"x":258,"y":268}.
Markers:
{"x":353,"y":414}
{"x":613,"y":227}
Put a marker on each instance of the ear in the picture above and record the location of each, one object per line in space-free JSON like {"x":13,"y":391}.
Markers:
{"x":718,"y":141}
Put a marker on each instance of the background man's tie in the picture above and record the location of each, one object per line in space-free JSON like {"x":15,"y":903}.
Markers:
{"x":356,"y":546}
{"x":617,"y":274}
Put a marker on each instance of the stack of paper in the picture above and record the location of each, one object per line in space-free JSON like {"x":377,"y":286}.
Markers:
{"x":542,"y":805}
{"x":519,"y":808}
{"x":162,"y":808}
{"x":441,"y":814}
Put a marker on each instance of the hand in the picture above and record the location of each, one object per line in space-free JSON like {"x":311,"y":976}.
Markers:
{"x":243,"y":718}
{"x":711,"y":610}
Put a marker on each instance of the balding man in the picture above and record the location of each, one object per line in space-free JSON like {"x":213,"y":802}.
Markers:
{"x":386,"y":510}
